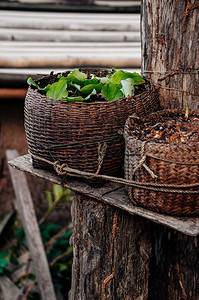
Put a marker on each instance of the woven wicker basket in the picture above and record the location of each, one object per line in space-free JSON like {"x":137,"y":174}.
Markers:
{"x":173,"y":164}
{"x":71,"y":132}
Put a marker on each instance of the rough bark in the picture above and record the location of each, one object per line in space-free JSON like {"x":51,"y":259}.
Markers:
{"x":170,"y":59}
{"x":170,"y":56}
{"x":174,"y":269}
{"x":111,"y":252}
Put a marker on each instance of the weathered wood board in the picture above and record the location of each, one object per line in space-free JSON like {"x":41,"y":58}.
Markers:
{"x":27,"y":213}
{"x":112,"y":194}
{"x":70,"y":21}
{"x":8,"y":290}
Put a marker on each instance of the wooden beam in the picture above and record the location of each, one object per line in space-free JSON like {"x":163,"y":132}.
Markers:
{"x":67,"y":35}
{"x":112,"y":194}
{"x":6,"y":93}
{"x":65,"y":61}
{"x":30,"y":225}
{"x":8,"y":290}
{"x":70,"y":15}
{"x":71,"y":21}
{"x":67,"y":45}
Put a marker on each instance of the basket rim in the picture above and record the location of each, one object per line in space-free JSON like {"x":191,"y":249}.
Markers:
{"x":43,"y":97}
{"x":156,"y":144}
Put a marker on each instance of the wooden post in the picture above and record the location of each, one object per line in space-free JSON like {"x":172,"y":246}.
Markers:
{"x":170,"y":59}
{"x":170,"y":56}
{"x":119,"y":256}
{"x":111,"y":252}
{"x":174,"y":266}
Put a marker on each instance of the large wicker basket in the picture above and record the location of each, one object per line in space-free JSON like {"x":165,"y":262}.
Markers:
{"x":175,"y":191}
{"x":72,"y":132}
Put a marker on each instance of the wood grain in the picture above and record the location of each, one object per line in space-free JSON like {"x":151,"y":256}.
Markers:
{"x":170,"y":56}
{"x":30,"y":225}
{"x":111,"y":252}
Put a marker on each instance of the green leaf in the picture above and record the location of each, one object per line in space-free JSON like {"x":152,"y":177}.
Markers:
{"x":20,"y":234}
{"x":49,"y":197}
{"x":77,"y":86}
{"x":104,"y":79}
{"x":69,"y":199}
{"x":30,"y":81}
{"x":111,"y":91}
{"x":92,"y":93}
{"x":90,"y":87}
{"x":60,"y":76}
{"x":3,"y":263}
{"x":91,"y":81}
{"x":73,"y":99}
{"x":67,"y":192}
{"x":77,"y":74}
{"x":136,"y":78}
{"x":187,"y":112}
{"x":127,"y":87}
{"x":121,"y":75}
{"x":58,"y":89}
{"x":5,"y":258}
{"x":57,"y":191}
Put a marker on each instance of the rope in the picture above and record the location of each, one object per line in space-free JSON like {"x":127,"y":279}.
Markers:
{"x":166,"y":188}
{"x":172,"y":89}
{"x":167,"y":160}
{"x":173,"y":71}
{"x":82,"y":142}
{"x":172,"y":162}
{"x":101,"y":153}
{"x":142,"y":163}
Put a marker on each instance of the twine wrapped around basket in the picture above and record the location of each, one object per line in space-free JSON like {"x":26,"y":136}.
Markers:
{"x":85,"y":136}
{"x":172,"y":168}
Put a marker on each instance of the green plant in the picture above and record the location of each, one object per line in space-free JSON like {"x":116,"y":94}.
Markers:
{"x":59,"y":194}
{"x":56,"y":243}
{"x":78,"y":87}
{"x":58,"y":251}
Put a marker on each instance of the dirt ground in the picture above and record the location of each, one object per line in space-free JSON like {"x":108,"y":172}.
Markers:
{"x":12,"y":136}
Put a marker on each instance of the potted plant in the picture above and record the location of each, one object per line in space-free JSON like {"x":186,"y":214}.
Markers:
{"x":75,"y":117}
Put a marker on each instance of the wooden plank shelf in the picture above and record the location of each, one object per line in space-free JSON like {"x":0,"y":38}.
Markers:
{"x":112,"y":194}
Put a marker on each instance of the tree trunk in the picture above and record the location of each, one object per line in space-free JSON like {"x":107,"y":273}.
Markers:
{"x":174,"y":268}
{"x":111,"y":252}
{"x":120,"y":256}
{"x":170,"y":60}
{"x":170,"y":56}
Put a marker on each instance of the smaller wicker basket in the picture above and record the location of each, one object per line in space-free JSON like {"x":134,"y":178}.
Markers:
{"x":175,"y":190}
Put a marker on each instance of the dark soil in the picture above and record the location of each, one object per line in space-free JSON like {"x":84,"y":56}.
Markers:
{"x":169,"y":127}
{"x":51,"y":78}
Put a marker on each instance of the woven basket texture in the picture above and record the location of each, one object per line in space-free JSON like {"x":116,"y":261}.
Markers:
{"x":50,"y":122}
{"x":168,"y":173}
